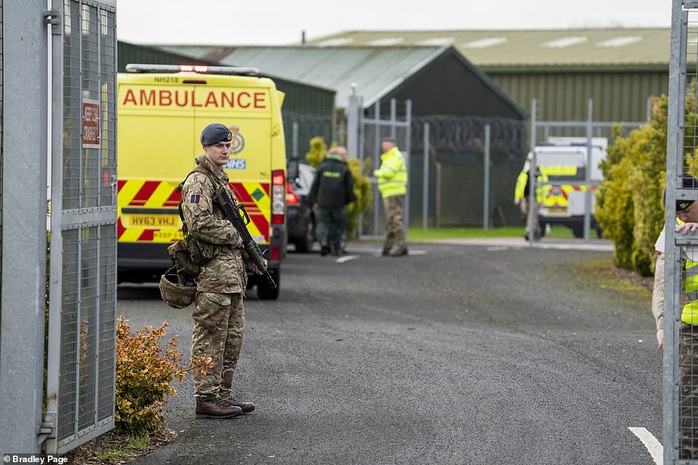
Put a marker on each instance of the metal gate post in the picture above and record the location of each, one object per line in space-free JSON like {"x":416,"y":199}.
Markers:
{"x":531,"y":178}
{"x":587,"y":177}
{"x":425,"y":182}
{"x":675,"y":147}
{"x":352,"y":115}
{"x":24,"y":151}
{"x":486,"y":183}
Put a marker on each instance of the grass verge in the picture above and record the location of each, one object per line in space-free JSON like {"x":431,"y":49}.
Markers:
{"x":432,"y":234}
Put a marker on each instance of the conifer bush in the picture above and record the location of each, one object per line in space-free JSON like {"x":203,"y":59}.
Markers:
{"x":629,"y":202}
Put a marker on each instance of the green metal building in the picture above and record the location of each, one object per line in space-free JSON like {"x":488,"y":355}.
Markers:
{"x":619,"y":68}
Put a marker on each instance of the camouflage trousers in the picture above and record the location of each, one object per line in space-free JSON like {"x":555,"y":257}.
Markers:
{"x":219,"y":320}
{"x":394,"y":222}
{"x":688,"y":392}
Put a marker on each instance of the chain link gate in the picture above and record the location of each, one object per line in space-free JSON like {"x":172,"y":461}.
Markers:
{"x":82,"y":338}
{"x":681,"y":332}
{"x":568,"y":153}
{"x":365,"y":130}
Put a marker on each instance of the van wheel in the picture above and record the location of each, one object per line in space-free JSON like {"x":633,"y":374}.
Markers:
{"x":265,"y":291}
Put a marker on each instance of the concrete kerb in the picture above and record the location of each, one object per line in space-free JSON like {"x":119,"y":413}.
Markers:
{"x":518,"y":242}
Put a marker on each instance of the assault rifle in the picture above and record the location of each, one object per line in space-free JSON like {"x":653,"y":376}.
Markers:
{"x":231,"y":210}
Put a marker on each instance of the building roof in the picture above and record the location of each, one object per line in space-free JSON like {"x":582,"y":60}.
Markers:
{"x":640,"y":48}
{"x":375,"y":71}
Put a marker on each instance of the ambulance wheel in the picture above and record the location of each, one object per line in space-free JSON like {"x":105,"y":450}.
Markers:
{"x":265,"y":291}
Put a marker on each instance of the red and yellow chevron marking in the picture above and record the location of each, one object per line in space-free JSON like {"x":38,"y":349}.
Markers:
{"x":558,"y":196}
{"x":167,"y":227}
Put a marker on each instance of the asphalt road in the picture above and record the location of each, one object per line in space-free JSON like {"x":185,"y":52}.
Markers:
{"x":456,"y":354}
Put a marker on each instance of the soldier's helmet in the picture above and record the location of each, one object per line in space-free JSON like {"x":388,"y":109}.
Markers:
{"x":175,"y":294}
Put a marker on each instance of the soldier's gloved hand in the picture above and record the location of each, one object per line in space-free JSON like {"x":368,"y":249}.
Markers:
{"x":253,"y":267}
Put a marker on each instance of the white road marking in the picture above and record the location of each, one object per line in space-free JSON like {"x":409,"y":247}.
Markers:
{"x":654,"y":447}
{"x":347,"y":258}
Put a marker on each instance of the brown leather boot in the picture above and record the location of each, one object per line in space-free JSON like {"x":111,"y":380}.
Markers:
{"x":216,"y":408}
{"x":246,"y":407}
{"x":399,"y":253}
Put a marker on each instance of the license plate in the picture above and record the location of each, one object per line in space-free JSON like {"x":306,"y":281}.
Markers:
{"x":556,"y":211}
{"x":153,"y":221}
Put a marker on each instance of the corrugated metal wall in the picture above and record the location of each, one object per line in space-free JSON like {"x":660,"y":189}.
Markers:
{"x":451,"y":86}
{"x":131,"y":53}
{"x":618,"y":96}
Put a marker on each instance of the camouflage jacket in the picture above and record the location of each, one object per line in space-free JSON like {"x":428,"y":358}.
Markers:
{"x":225,"y":272}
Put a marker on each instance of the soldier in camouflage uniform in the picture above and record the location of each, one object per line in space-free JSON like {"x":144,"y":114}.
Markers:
{"x":687,"y":215}
{"x":219,"y":315}
{"x":392,"y":184}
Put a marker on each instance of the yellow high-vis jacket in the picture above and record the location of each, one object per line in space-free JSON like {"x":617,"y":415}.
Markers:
{"x":392,"y":174}
{"x":522,"y":180}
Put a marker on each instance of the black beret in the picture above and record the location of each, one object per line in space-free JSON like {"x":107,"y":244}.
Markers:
{"x":688,"y":182}
{"x":214,"y":133}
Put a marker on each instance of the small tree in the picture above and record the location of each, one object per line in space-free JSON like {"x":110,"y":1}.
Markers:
{"x":145,"y":369}
{"x":362,"y":190}
{"x":318,"y":151}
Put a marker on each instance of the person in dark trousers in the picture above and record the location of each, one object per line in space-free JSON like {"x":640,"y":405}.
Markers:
{"x":331,"y":192}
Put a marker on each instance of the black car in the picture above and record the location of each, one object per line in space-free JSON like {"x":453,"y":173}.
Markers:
{"x":300,"y":219}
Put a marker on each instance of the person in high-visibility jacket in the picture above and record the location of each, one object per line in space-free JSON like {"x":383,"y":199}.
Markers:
{"x":521,"y":198}
{"x":392,"y":184}
{"x":687,"y":223}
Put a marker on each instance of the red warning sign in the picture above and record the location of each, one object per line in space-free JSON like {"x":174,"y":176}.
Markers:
{"x":90,"y":124}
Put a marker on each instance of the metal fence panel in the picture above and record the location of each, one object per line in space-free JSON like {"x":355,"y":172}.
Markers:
{"x":568,"y":153}
{"x":681,"y":336}
{"x":82,"y":337}
{"x":23,"y":208}
{"x":377,"y":124}
{"x":455,"y":175}
{"x":300,"y":128}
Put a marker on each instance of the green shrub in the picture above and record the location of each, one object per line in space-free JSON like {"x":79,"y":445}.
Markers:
{"x":318,"y":151}
{"x":362,"y":190}
{"x":629,"y":201}
{"x":145,"y":369}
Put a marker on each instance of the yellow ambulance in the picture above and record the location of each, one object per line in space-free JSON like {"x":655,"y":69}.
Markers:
{"x":161,"y":112}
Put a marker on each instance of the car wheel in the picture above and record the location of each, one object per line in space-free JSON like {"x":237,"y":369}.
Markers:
{"x":305,"y":245}
{"x":265,"y":291}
